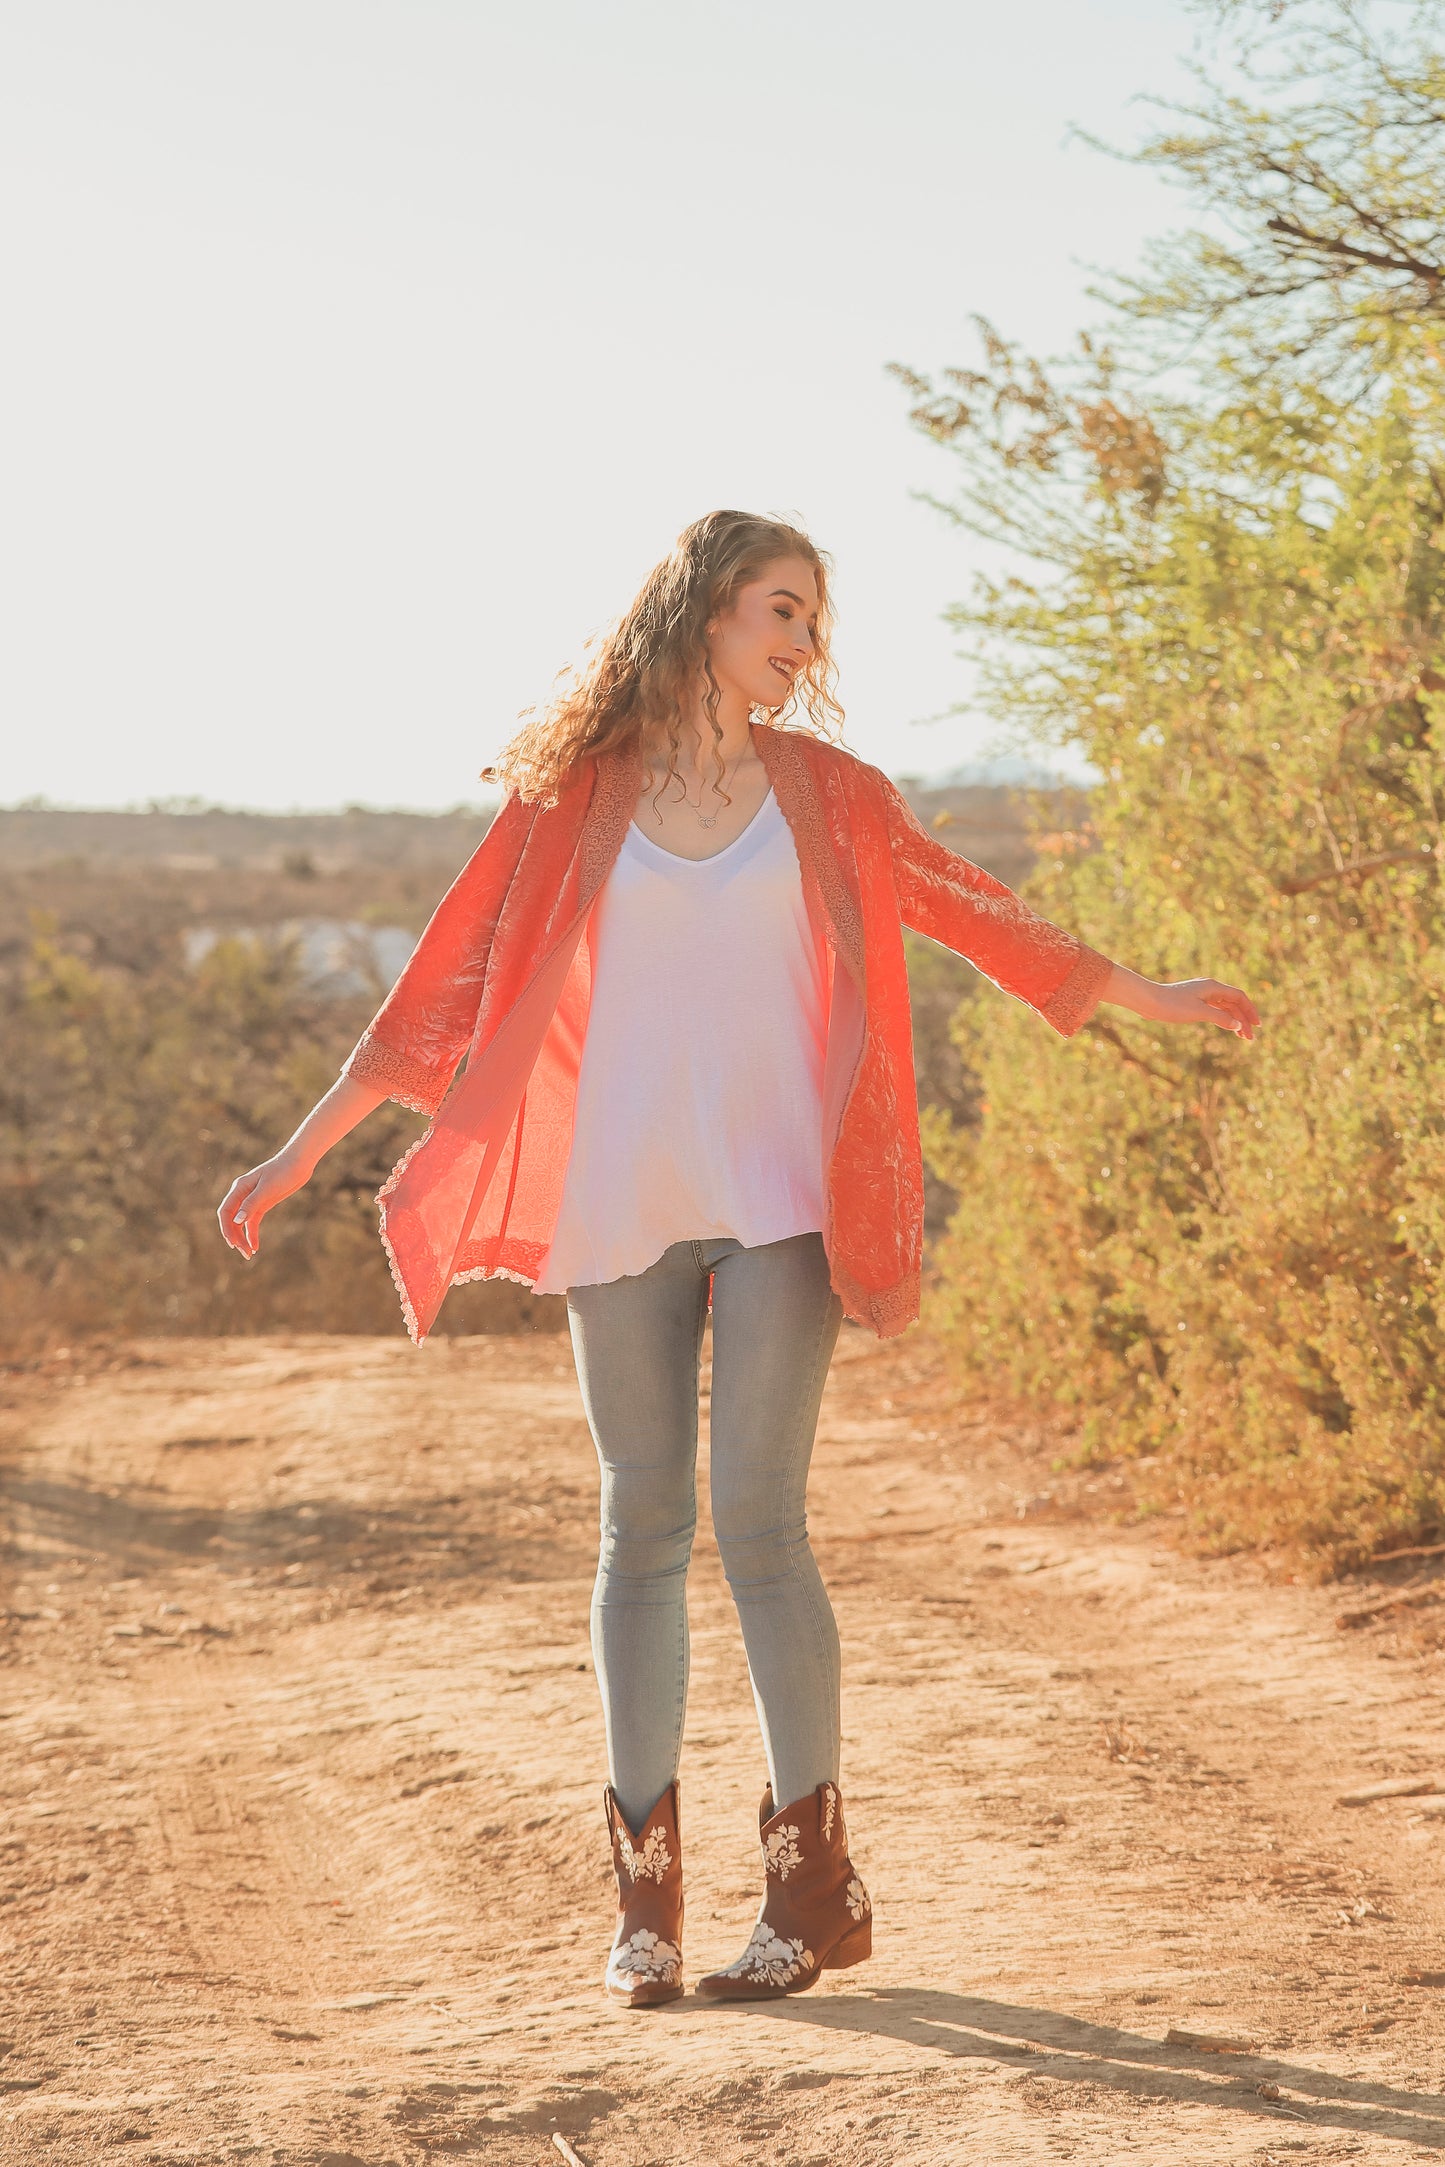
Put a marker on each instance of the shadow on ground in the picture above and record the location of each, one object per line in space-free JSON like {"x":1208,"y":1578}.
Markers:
{"x":1053,"y":2045}
{"x":491,"y":1534}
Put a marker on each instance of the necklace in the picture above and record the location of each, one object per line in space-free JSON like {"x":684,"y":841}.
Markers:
{"x":706,"y":820}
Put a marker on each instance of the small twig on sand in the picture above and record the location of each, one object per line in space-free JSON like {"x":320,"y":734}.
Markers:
{"x":1416,"y":1550}
{"x":1207,"y":2042}
{"x":565,"y":2149}
{"x":1393,"y":1787}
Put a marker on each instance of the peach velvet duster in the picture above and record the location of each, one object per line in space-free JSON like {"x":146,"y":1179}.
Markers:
{"x":501,"y":976}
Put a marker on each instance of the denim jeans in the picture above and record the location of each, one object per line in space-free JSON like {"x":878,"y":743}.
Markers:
{"x":638,"y":1342}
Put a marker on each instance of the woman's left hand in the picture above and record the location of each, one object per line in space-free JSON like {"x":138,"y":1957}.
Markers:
{"x":1192,"y":1000}
{"x":1206,"y":1000}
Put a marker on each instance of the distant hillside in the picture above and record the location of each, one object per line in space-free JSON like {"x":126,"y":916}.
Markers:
{"x":213,"y":836}
{"x":984,"y":822}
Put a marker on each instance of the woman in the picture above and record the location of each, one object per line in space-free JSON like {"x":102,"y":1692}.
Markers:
{"x":675,"y":970}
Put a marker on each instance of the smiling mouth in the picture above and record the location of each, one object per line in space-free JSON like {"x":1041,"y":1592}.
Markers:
{"x":784,"y":669}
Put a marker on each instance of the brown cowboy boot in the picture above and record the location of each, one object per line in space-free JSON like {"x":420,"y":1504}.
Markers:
{"x":815,"y":1916}
{"x":645,"y":1966}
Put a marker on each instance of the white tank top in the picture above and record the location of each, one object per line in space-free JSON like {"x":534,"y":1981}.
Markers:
{"x":699,"y":1097}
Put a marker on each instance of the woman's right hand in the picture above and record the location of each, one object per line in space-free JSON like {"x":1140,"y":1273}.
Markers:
{"x":248,"y":1199}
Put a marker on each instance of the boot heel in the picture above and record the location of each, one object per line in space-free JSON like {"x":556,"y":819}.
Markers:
{"x":854,"y":1948}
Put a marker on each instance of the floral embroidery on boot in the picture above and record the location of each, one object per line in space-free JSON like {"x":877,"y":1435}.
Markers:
{"x":651,"y":1862}
{"x":646,"y":1956}
{"x":770,"y":1961}
{"x":815,"y":1914}
{"x":781,"y":1853}
{"x":645,"y":1963}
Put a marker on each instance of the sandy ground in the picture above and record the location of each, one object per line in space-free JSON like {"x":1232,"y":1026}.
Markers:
{"x":301,"y":1765}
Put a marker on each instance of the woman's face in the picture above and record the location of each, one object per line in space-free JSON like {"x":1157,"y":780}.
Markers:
{"x":758,"y":644}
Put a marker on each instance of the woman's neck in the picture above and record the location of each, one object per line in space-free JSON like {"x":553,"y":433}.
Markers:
{"x":699,"y":747}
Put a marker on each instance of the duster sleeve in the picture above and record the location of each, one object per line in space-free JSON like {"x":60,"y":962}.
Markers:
{"x":412,"y":1047}
{"x":944,"y":896}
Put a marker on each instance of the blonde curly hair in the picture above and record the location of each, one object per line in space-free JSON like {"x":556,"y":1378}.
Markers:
{"x":647,"y":667}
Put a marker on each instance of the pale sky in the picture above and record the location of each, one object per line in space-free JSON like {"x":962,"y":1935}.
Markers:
{"x":362,"y":355}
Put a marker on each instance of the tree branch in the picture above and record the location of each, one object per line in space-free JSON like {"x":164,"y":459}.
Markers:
{"x":1429,"y":274}
{"x":1361,"y":866}
{"x":1099,"y":1028}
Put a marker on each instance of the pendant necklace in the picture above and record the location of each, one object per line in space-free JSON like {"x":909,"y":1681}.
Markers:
{"x":704,"y":820}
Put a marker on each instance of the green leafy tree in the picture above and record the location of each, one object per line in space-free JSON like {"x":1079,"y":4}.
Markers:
{"x":1230,"y":595}
{"x":1320,"y":161}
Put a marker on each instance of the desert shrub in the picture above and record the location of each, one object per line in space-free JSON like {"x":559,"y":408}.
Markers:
{"x":128,"y":1102}
{"x":1226,"y":1261}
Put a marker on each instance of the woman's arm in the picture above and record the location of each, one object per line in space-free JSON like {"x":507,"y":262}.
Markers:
{"x":959,"y":904}
{"x":248,"y":1199}
{"x":1192,"y":1000}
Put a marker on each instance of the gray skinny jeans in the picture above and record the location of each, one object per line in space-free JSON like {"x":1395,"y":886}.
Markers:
{"x":638,"y":1342}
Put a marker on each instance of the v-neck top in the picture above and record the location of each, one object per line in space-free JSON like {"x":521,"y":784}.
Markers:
{"x":699,"y":1096}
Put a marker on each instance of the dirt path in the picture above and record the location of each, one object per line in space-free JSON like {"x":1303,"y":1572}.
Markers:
{"x":301,"y":1760}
